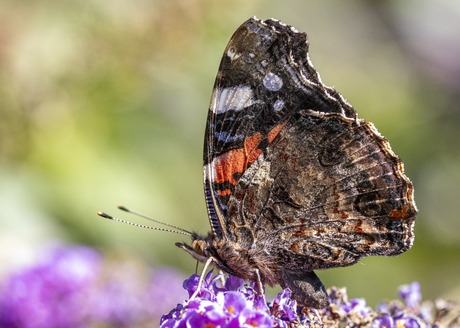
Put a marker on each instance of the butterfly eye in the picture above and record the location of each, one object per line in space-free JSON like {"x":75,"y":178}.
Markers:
{"x":199,"y":247}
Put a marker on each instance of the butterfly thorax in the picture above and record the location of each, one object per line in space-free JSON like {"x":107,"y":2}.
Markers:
{"x":231,"y":258}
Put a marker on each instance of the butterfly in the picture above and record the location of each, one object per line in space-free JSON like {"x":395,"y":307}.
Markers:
{"x":294,"y":181}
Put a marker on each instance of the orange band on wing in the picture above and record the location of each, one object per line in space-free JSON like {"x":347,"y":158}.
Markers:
{"x":275,"y":131}
{"x":237,"y":160}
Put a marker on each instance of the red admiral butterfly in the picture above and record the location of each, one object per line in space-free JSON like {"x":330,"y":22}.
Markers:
{"x":294,"y":181}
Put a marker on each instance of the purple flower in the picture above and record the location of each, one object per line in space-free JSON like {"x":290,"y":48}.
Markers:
{"x":357,"y":306}
{"x":383,"y":321}
{"x":42,"y":295}
{"x":411,"y":295}
{"x":233,"y":283}
{"x":408,"y":314}
{"x":283,"y":308}
{"x":77,"y":287}
{"x":229,"y":304}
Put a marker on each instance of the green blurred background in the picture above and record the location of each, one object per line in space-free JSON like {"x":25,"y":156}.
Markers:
{"x":105,"y":102}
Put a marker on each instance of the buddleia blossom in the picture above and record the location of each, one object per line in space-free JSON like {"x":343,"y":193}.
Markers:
{"x":228,"y":304}
{"x":231,"y":303}
{"x":79,"y":287}
{"x":41,"y":296}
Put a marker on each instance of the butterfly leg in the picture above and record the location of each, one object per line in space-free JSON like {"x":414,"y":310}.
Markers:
{"x":222,"y":279}
{"x":318,"y":316}
{"x":260,"y":286}
{"x":200,"y":282}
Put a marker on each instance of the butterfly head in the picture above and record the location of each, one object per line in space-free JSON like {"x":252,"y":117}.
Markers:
{"x":225,"y":255}
{"x":199,"y":248}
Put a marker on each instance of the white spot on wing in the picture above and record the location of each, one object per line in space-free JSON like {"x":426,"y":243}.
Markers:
{"x":209,"y":170}
{"x":232,"y":98}
{"x":272,"y":82}
{"x":278,"y":105}
{"x":232,"y":54}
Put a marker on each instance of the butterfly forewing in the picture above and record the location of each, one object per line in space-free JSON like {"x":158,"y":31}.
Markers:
{"x":264,"y":78}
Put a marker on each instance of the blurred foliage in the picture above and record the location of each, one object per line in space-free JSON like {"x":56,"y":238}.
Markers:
{"x":105,"y":102}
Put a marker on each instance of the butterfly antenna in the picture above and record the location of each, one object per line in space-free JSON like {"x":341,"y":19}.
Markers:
{"x":127,"y":210}
{"x":109,"y":217}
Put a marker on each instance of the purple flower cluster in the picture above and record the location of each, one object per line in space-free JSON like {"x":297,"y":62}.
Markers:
{"x":228,"y":304}
{"x":398,"y":313}
{"x":44,"y":293}
{"x":78,"y":287}
{"x":407,"y":313}
{"x":231,"y":303}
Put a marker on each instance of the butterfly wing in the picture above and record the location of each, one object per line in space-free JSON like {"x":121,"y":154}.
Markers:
{"x":264,"y":78}
{"x":339,"y":193}
{"x":293,"y":179}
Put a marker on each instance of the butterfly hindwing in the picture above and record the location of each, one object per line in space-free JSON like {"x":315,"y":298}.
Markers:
{"x":326,"y":192}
